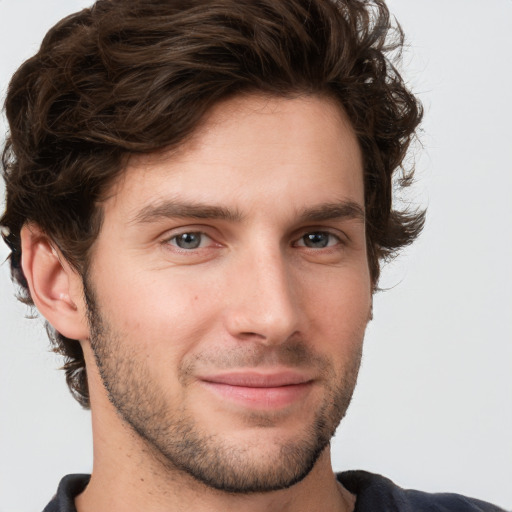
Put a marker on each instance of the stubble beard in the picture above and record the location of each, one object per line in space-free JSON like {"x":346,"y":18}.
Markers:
{"x":177,"y":443}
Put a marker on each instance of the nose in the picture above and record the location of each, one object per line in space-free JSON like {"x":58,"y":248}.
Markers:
{"x":263,"y":303}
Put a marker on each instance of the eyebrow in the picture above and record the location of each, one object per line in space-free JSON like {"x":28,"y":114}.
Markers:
{"x":342,"y":209}
{"x":178,"y":210}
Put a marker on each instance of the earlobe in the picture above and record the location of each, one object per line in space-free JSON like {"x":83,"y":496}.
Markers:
{"x":55,"y":287}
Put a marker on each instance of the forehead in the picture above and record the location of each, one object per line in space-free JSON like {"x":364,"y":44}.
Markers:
{"x":286,"y":149}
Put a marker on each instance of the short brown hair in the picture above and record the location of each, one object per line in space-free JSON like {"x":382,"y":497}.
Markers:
{"x":137,"y":76}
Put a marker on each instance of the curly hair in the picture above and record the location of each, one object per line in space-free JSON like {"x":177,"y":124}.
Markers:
{"x":137,"y":76}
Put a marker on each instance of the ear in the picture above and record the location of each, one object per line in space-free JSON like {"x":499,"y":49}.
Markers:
{"x":55,"y":287}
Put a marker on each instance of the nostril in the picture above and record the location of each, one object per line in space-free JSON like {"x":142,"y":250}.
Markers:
{"x":251,"y":335}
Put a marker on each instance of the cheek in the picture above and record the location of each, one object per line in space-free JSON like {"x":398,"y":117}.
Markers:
{"x":164,"y":315}
{"x":339,"y":309}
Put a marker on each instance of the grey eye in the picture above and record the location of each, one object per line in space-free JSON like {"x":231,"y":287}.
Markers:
{"x":188,"y":240}
{"x":316,"y":240}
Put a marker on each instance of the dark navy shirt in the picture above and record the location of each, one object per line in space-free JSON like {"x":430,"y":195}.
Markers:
{"x":374,"y":494}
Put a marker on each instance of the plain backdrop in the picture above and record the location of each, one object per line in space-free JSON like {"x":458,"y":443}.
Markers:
{"x":433,"y":407}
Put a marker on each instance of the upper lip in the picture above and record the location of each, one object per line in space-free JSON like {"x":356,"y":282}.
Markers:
{"x":253,"y":379}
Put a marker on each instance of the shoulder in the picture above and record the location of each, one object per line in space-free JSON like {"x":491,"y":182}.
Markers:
{"x":70,"y":487}
{"x":375,"y":492}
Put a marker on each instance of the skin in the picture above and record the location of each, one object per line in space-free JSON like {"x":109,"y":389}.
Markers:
{"x":278,"y":290}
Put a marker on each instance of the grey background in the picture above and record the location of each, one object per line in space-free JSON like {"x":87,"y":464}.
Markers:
{"x":433,"y":407}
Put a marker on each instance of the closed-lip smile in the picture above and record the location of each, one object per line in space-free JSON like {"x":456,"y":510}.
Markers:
{"x":262,"y":390}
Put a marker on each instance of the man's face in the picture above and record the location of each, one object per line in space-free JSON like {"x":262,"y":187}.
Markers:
{"x":229,"y":292}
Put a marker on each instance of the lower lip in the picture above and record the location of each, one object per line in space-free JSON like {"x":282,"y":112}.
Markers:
{"x":261,"y":398}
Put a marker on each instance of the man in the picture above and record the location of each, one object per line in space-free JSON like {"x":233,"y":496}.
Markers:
{"x":198,"y":198}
